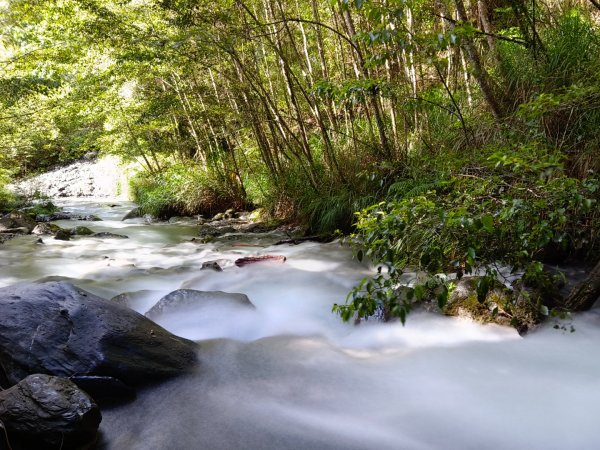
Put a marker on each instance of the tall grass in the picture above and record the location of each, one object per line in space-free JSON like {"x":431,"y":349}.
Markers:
{"x":182,"y":190}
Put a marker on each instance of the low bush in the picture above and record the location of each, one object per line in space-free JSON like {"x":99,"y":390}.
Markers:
{"x":520,"y":211}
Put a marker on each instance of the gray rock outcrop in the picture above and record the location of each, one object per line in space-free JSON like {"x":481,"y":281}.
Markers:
{"x":183,"y":300}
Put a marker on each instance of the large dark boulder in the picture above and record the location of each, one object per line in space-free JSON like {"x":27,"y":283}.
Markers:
{"x":45,"y":412}
{"x":59,"y":329}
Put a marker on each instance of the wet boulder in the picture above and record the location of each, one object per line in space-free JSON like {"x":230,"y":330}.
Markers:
{"x":81,"y":231}
{"x":17,"y":220}
{"x":211,"y":265}
{"x":45,"y":229}
{"x":138,"y":300}
{"x":183,"y":300}
{"x":46,"y":412}
{"x":133,"y":214}
{"x":59,"y":329}
{"x":62,"y":235}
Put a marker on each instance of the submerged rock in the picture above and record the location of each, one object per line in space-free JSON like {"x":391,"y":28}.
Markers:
{"x":81,"y":231}
{"x":46,"y":412}
{"x":183,"y":300}
{"x":89,"y":218}
{"x":211,"y":265}
{"x":106,"y":234}
{"x":59,"y":329}
{"x":241,"y":262}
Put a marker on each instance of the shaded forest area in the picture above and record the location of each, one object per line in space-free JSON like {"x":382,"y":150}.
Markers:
{"x":464,"y":133}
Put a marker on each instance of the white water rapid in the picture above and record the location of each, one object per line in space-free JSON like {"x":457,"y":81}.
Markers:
{"x":291,"y":375}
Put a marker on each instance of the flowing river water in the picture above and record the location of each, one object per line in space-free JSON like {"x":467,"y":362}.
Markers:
{"x":291,"y":375}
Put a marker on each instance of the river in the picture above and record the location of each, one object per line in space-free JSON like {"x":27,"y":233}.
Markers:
{"x":291,"y":375}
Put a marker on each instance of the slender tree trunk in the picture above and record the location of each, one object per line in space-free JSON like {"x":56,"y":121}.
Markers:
{"x":360,"y":69}
{"x":487,"y":28}
{"x":481,"y":76}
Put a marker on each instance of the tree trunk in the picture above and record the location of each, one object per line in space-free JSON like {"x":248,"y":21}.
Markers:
{"x":487,"y":28}
{"x":583,"y":296}
{"x":479,"y":73}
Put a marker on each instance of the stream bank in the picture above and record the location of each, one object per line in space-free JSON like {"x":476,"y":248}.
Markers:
{"x":94,"y":177}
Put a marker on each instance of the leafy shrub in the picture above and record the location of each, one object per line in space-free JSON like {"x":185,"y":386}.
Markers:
{"x":523,"y":212}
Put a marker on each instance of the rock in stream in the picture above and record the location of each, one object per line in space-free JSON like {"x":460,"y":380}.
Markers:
{"x":58,"y":329}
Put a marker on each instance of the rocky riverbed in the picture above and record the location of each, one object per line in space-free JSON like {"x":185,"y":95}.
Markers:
{"x":91,"y":177}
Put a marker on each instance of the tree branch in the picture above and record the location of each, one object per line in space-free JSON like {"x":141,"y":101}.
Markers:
{"x":493,"y":35}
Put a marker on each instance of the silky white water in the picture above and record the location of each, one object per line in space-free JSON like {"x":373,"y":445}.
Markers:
{"x":291,"y":375}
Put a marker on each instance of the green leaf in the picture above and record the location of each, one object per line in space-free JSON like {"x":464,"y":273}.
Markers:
{"x":483,"y":287}
{"x":488,"y":223}
{"x":419,"y":291}
{"x":471,"y":256}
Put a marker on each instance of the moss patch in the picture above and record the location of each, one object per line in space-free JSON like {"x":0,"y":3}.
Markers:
{"x":500,"y":306}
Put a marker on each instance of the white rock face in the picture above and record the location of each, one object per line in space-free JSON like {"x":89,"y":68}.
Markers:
{"x":103,"y":177}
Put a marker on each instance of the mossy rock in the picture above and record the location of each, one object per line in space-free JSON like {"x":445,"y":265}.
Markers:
{"x":46,"y":229}
{"x":81,"y":231}
{"x":62,"y":235}
{"x":500,"y":306}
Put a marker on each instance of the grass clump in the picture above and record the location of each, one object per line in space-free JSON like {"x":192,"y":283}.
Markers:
{"x":181,"y":190}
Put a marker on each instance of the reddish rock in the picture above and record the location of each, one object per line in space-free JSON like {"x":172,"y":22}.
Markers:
{"x":257,"y":259}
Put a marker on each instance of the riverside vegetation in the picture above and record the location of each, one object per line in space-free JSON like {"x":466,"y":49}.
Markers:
{"x":447,"y":136}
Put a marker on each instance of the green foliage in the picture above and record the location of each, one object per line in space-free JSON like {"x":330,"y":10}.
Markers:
{"x":523,"y":212}
{"x":7,"y":199}
{"x":181,"y":190}
{"x":330,"y":211}
{"x":39,"y":207}
{"x":573,"y":48}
